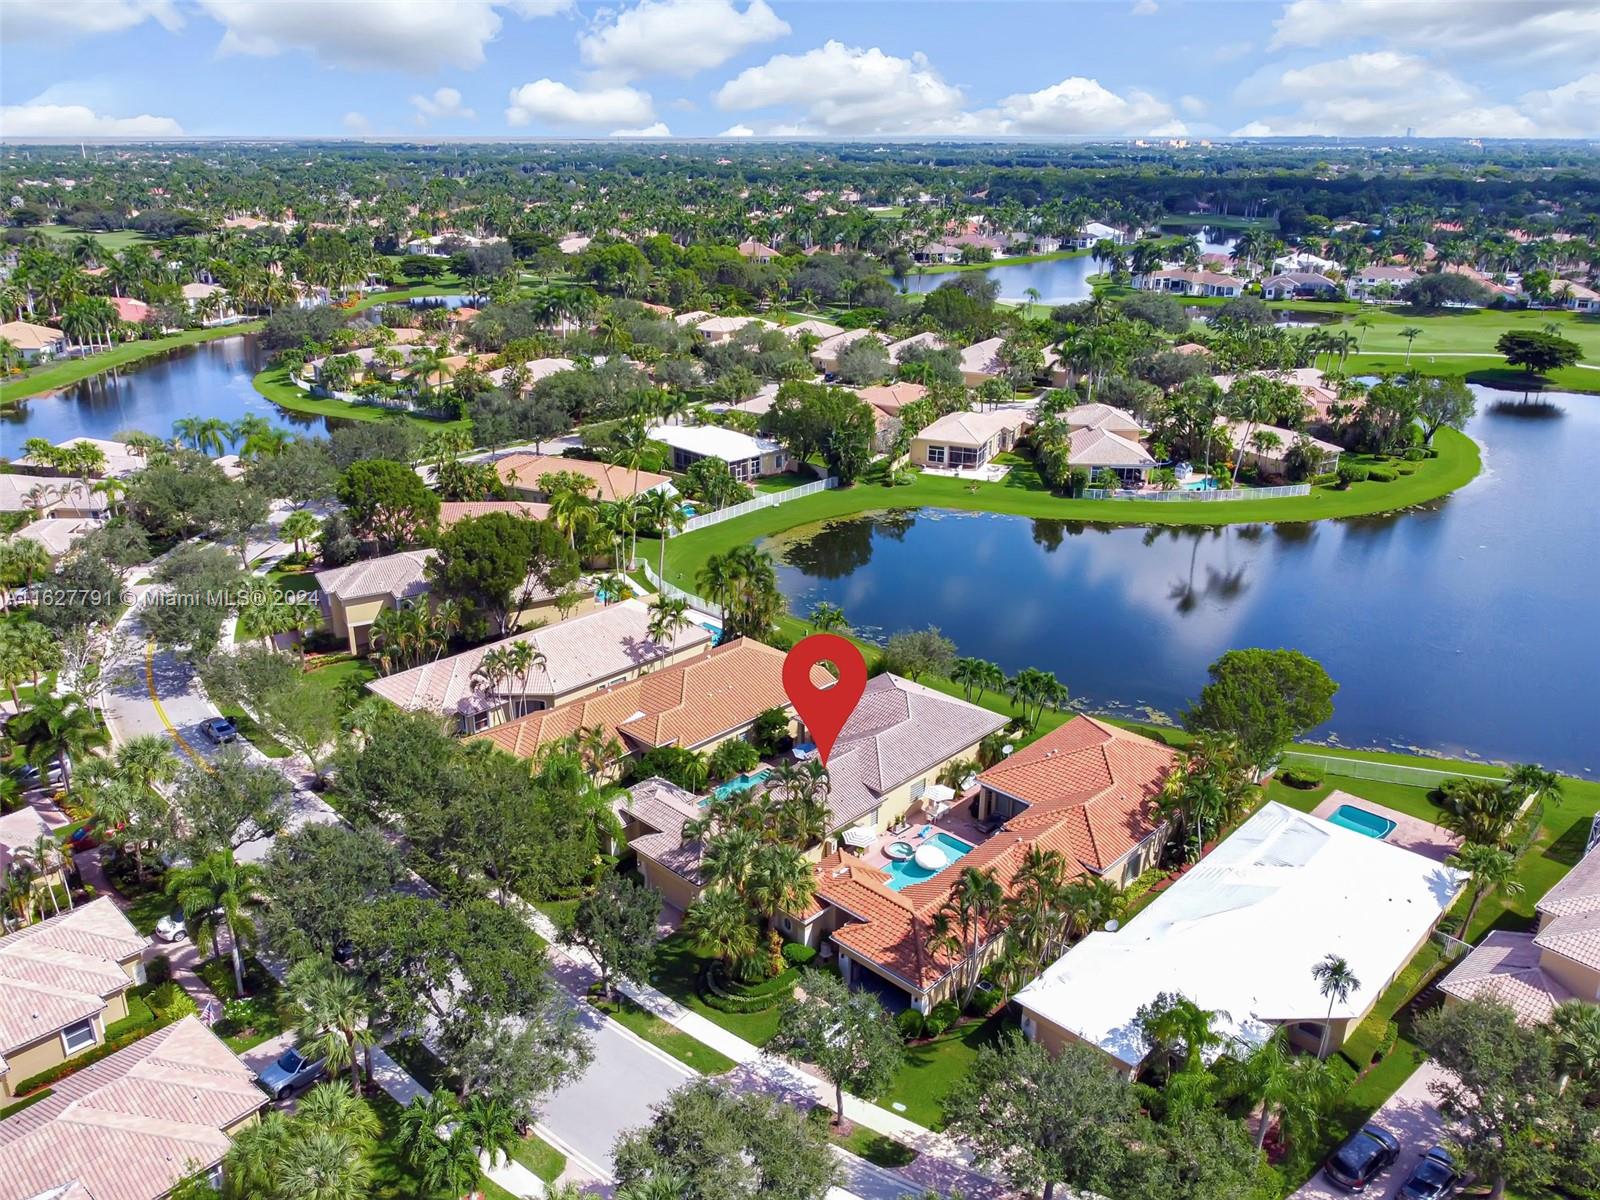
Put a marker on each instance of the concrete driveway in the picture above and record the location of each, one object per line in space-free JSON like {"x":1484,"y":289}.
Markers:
{"x":1411,"y":1115}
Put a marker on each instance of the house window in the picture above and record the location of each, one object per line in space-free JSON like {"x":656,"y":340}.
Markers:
{"x":78,"y":1037}
{"x":964,"y":456}
{"x":936,"y":456}
{"x":919,"y":787}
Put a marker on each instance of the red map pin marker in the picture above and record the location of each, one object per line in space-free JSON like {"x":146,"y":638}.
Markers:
{"x":824,"y":710}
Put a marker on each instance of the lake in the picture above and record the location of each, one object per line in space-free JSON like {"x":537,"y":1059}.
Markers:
{"x":1466,"y":627}
{"x":211,"y":379}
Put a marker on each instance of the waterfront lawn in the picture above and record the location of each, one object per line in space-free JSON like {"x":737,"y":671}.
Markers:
{"x":60,"y":373}
{"x":685,"y":1048}
{"x":1021,"y":493}
{"x":274,"y":384}
{"x":933,"y":1068}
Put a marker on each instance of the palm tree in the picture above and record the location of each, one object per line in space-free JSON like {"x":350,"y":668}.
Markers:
{"x":1175,"y":1024}
{"x":668,"y":614}
{"x":299,"y":527}
{"x":827,"y":618}
{"x":1032,"y":296}
{"x":1411,"y":333}
{"x":491,"y":1126}
{"x":1490,"y":868}
{"x":421,"y":1120}
{"x":523,"y":657}
{"x":333,"y":1021}
{"x":1575,"y":1026}
{"x":965,"y":925}
{"x":450,"y":1163}
{"x":665,"y":1185}
{"x":62,"y":728}
{"x":45,"y":857}
{"x":220,"y":894}
{"x":329,"y":1107}
{"x":780,"y":880}
{"x":661,"y":511}
{"x":1336,"y":981}
{"x":719,"y":924}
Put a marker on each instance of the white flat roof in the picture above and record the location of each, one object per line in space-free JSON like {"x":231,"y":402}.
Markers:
{"x":727,"y":444}
{"x":1241,"y":931}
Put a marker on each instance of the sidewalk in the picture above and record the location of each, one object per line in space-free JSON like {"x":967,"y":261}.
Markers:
{"x":943,"y":1162}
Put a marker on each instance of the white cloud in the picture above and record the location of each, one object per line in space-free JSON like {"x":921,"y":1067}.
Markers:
{"x":392,"y":35}
{"x":444,"y":105}
{"x":35,"y":120}
{"x":1572,"y":110}
{"x":62,"y":20}
{"x":356,"y":122}
{"x":1383,"y":93}
{"x":737,"y":131}
{"x":1145,"y":8}
{"x":658,"y":130}
{"x":1193,"y":105}
{"x":555,"y":103}
{"x":845,"y":89}
{"x":678,"y":37}
{"x":1502,"y":28}
{"x":1079,"y":105}
{"x":1229,"y":51}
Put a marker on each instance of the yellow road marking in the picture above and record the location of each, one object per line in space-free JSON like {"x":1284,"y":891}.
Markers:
{"x":150,"y":683}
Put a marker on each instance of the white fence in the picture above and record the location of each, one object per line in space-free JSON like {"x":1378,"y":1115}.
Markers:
{"x":1382,"y":772}
{"x":768,"y":500}
{"x":668,"y":589}
{"x":1199,"y":495}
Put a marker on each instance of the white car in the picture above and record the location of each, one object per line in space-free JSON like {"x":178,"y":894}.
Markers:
{"x":172,"y":928}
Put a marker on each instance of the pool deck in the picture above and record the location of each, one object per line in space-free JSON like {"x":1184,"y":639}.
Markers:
{"x":1409,"y":833}
{"x":955,"y":822}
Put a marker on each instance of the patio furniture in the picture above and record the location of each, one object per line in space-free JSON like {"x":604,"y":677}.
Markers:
{"x":861,"y":837}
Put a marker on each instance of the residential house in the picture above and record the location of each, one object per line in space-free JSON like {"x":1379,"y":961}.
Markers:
{"x":575,"y":243}
{"x":756,"y":251}
{"x":49,"y":496}
{"x":1099,"y":231}
{"x":748,"y":457}
{"x":129,"y":310}
{"x":961,"y":441}
{"x":36,"y":343}
{"x":892,"y":397}
{"x":821,"y":330}
{"x":826,"y":355}
{"x":535,"y":370}
{"x":521,"y":473}
{"x":691,"y":318}
{"x":980,"y":362}
{"x":451,"y":511}
{"x":122,"y":460}
{"x":1304,"y":260}
{"x":1045,"y":244}
{"x":928,"y":341}
{"x":133,"y":1125}
{"x":717,"y":330}
{"x":1104,"y":416}
{"x":1377,"y":282}
{"x":62,"y":982}
{"x":937,"y":252}
{"x":1273,"y":458}
{"x":1239,"y":935}
{"x":1576,"y":296}
{"x":1318,"y":395}
{"x":354,"y":596}
{"x":20,"y":832}
{"x":1306,"y":285}
{"x":57,"y":535}
{"x":195,"y":294}
{"x":1557,"y":962}
{"x":697,"y":704}
{"x":1190,"y":283}
{"x":574,"y":657}
{"x":1098,"y":449}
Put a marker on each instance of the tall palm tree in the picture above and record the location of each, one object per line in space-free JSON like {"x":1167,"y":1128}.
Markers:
{"x":1336,"y":981}
{"x":220,"y":895}
{"x":1411,"y":333}
{"x":523,"y":657}
{"x":333,"y":1017}
{"x":1491,"y":868}
{"x":321,"y":1164}
{"x":662,"y":512}
{"x":965,"y":925}
{"x":668,"y":615}
{"x":491,"y":1126}
{"x":62,"y":728}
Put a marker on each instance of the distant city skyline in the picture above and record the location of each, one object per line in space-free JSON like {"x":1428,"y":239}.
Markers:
{"x":749,"y":68}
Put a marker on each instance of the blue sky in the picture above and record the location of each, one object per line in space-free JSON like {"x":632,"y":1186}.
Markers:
{"x":869,"y":68}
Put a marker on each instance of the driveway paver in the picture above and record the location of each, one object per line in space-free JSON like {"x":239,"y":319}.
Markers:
{"x":1414,"y":1119}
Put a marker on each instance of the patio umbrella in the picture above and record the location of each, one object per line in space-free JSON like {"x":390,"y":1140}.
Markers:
{"x":930,"y":858}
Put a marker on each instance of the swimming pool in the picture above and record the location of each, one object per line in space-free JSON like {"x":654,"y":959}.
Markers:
{"x":740,"y":783}
{"x":1207,"y":483}
{"x":903,"y":874}
{"x":1368,"y":824}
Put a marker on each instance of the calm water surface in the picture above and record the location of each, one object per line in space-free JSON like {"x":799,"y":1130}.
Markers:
{"x":1466,"y":627}
{"x":211,"y":379}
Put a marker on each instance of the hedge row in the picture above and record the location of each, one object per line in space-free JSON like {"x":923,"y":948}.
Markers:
{"x":757,"y":998}
{"x":107,"y":1048}
{"x":26,"y":1101}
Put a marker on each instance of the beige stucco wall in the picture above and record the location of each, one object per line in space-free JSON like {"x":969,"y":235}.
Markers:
{"x":27,"y":1061}
{"x":349,"y":618}
{"x":1584,"y":982}
{"x":675,"y":890}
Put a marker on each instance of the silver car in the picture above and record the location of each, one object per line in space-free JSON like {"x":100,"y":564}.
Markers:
{"x":289,"y":1071}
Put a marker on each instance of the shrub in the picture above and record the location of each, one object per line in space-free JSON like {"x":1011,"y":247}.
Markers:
{"x":934,"y":1024}
{"x":158,"y":970}
{"x":733,"y":757}
{"x":1414,"y":454}
{"x":798,"y":954}
{"x":1381,"y":475}
{"x":949,"y":1010}
{"x":819,"y":1114}
{"x":1327,"y":480}
{"x":172,"y":1002}
{"x":1386,"y":1045}
{"x":910,"y":1024}
{"x":1300,"y":776}
{"x":728,"y":996}
{"x":1350,"y":472}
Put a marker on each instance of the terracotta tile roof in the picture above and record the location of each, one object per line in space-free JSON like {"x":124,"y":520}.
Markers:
{"x":1102,"y":416}
{"x":1088,"y":787}
{"x":973,"y":429}
{"x":931,"y":341}
{"x":891,"y":398}
{"x":132,"y":1125}
{"x":451,"y":511}
{"x":60,"y":971}
{"x":401,"y":576}
{"x":686,"y":704}
{"x":578,"y":652}
{"x":663,"y":807}
{"x":1505,"y":967}
{"x":611,"y":483}
{"x":1576,"y":937}
{"x":1578,"y":891}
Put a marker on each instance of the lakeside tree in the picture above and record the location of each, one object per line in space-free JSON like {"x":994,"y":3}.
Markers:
{"x":813,"y":419}
{"x":723,"y":1145}
{"x":388,"y":502}
{"x":917,"y":652}
{"x":1537,"y":353}
{"x":846,"y":1034}
{"x":1045,"y":1121}
{"x":1263,"y":699}
{"x":616,"y":925}
{"x":1441,"y":402}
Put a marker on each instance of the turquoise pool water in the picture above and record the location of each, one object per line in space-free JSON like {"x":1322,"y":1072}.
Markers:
{"x":1208,"y":484}
{"x":1363,"y":822}
{"x":904,"y":874}
{"x":739,"y":783}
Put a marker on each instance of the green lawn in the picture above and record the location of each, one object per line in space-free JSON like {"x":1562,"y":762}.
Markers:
{"x":273,"y":383}
{"x":1022,"y":494}
{"x":54,"y":375}
{"x":347,"y":675}
{"x":782,"y":483}
{"x":677,"y":973}
{"x":252,"y":732}
{"x":266,"y":1013}
{"x":876,"y":1148}
{"x":686,"y":1049}
{"x":932,"y":1069}
{"x":115,"y":240}
{"x":393,"y":1178}
{"x":145,"y":903}
{"x":540,"y":1157}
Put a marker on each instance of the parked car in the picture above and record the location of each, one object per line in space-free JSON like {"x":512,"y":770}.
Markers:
{"x":219,"y":730}
{"x":28,"y":776}
{"x":1436,"y":1177}
{"x":290,"y":1070}
{"x":173,"y":927}
{"x":1365,"y":1155}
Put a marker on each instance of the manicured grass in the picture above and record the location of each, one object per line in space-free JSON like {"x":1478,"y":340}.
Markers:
{"x":252,"y":732}
{"x":1022,"y":494}
{"x":686,"y":1049}
{"x":274,"y":384}
{"x":26,"y":1102}
{"x":115,"y":240}
{"x":876,"y":1148}
{"x":677,"y":973}
{"x":263,"y":992}
{"x":346,"y":676}
{"x":933,"y":1068}
{"x":54,"y":375}
{"x":782,"y":483}
{"x":540,"y":1157}
{"x":560,"y":912}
